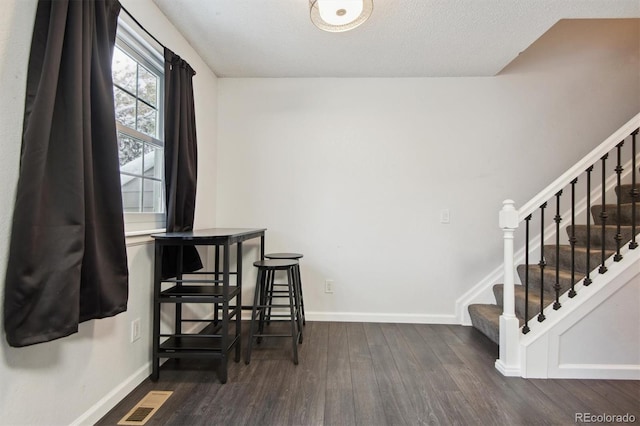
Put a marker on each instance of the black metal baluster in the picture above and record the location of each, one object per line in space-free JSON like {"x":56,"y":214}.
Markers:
{"x":603,"y":216}
{"x":634,"y":191}
{"x":542,"y":263}
{"x":526,"y":329}
{"x":557,"y":219}
{"x":572,"y":239}
{"x":587,"y":279}
{"x":619,"y":169}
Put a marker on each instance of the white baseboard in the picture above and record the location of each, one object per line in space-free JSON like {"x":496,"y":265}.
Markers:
{"x":381,"y":318}
{"x":596,"y":371}
{"x":102,"y":407}
{"x":508,"y":371}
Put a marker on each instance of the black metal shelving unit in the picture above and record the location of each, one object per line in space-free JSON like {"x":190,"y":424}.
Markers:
{"x":221,"y":333}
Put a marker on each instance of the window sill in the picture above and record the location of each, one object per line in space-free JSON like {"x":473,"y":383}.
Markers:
{"x":136,"y":238}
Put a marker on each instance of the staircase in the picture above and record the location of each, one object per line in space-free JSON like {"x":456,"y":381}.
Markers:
{"x":486,"y":317}
{"x":576,"y":243}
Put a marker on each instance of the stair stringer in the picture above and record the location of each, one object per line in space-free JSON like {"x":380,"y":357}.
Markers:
{"x":610,"y":350}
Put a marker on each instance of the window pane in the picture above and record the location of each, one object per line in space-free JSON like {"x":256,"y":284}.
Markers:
{"x":146,"y":119}
{"x":130,"y":154}
{"x":131,"y":193}
{"x":124,"y":70}
{"x":153,"y":200}
{"x":153,"y":162}
{"x":147,"y":86}
{"x":125,"y":107}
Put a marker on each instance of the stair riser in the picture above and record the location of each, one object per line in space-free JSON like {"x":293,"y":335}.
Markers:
{"x":486,"y":318}
{"x":534,"y":302}
{"x":625,"y":214}
{"x":549,"y":280}
{"x":625,"y":194}
{"x":580,"y":258}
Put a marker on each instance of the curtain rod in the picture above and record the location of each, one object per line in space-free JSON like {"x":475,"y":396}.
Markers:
{"x":150,"y":35}
{"x":143,"y":28}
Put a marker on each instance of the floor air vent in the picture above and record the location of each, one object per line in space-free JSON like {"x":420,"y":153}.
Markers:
{"x":146,"y":408}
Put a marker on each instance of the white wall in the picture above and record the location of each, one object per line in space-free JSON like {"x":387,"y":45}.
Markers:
{"x":79,"y":377}
{"x":354,"y":172}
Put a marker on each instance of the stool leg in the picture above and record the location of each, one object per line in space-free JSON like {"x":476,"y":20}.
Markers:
{"x":256,"y":299}
{"x":269,"y":295}
{"x":265,"y":301}
{"x":293,"y":310}
{"x":299,"y":280}
{"x":296,"y":297}
{"x":264,"y":285}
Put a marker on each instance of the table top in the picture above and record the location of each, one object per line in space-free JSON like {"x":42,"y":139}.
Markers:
{"x":211,"y":234}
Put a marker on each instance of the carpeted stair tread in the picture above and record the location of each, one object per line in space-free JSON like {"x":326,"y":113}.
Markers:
{"x":625,"y":214}
{"x":580,"y":257}
{"x":486,"y":318}
{"x":520,"y":297}
{"x":564,"y":278}
{"x":624,"y":193}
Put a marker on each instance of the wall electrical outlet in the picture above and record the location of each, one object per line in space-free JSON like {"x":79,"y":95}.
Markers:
{"x":135,"y":330}
{"x":328,"y":286}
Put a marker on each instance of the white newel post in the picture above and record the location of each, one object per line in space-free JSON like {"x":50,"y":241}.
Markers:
{"x":509,"y":362}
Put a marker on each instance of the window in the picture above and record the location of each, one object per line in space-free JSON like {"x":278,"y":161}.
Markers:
{"x":138,"y":84}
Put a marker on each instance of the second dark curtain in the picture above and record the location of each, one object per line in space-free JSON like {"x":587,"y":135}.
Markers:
{"x":181,"y":160}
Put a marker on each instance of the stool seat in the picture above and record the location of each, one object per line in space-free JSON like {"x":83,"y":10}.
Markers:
{"x":284,"y":256}
{"x":275,"y":263}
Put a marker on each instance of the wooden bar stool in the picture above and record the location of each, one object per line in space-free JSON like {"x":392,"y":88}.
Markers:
{"x":298,"y":278}
{"x":262,"y":302}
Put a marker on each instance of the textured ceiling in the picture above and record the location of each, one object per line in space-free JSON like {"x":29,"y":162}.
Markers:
{"x":403,"y":38}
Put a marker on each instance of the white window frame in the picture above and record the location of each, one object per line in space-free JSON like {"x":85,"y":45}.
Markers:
{"x":146,"y":51}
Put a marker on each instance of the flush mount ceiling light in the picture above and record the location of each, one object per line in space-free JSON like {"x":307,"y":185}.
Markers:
{"x":339,"y":15}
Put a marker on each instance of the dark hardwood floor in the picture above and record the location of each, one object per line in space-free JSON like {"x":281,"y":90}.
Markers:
{"x":375,"y":374}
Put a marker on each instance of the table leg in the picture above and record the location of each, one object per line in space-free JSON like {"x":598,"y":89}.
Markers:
{"x":222,"y":370}
{"x":216,"y":277}
{"x":238,"y":333}
{"x":157,"y":276}
{"x":224,"y":339}
{"x":179,"y":269}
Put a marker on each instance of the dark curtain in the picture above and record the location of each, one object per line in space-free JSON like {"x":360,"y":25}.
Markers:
{"x":67,"y":255}
{"x":180,"y":159}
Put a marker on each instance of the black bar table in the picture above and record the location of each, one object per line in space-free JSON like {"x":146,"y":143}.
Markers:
{"x":214,"y":341}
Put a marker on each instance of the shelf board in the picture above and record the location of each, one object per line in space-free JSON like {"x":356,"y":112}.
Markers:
{"x":194,"y":346}
{"x":196,"y":293}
